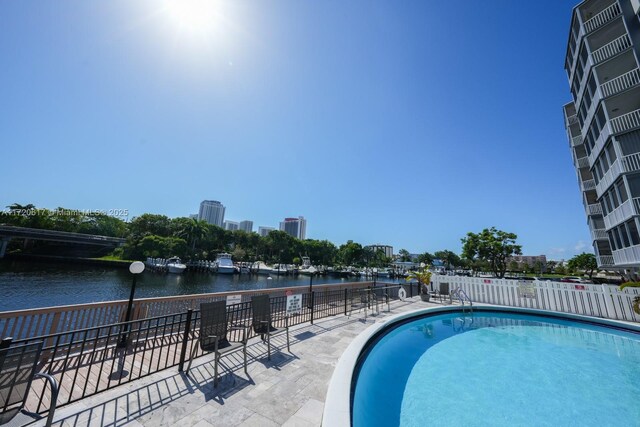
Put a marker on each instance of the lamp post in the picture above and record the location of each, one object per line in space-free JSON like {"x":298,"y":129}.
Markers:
{"x":135,"y":268}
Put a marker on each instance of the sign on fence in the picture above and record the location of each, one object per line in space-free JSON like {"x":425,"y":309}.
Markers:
{"x":526,"y":289}
{"x":234,"y":299}
{"x":294,"y":304}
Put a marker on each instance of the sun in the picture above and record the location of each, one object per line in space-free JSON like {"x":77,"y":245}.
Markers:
{"x":196,"y":16}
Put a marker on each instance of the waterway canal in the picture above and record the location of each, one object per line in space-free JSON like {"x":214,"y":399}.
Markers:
{"x":26,"y":284}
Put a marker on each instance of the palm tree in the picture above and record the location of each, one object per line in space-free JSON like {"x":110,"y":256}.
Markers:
{"x":636,"y":301}
{"x":193,"y":230}
{"x":424,"y":278}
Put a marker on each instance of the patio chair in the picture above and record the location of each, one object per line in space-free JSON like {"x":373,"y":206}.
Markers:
{"x":213,"y":335}
{"x":444,"y":291}
{"x":262,"y":321}
{"x":18,"y":365}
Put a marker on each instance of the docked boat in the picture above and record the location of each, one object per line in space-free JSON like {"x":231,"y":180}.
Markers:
{"x":175,"y":265}
{"x":383,"y":272}
{"x":307,"y":268}
{"x":280,"y":269}
{"x":225,"y":264}
{"x":260,"y":267}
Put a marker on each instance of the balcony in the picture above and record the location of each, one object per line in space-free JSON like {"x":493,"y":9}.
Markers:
{"x":583,"y":162}
{"x":631,"y":163}
{"x":599,"y":145}
{"x":610,"y":49}
{"x":587,"y":185}
{"x":602,"y":18}
{"x":626,"y":122}
{"x":576,"y":140}
{"x":622,"y":213}
{"x":605,"y":261}
{"x":571,"y":120}
{"x":599,"y":234}
{"x":612,"y":174}
{"x":624,"y":82}
{"x":630,"y":255}
{"x":594,"y":209}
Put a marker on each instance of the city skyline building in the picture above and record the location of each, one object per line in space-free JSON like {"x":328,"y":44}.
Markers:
{"x":212,"y":212}
{"x":388,"y":250}
{"x":295,"y":227}
{"x":603,"y":125}
{"x":231,"y":225}
{"x":264,"y":231}
{"x":246,"y":225}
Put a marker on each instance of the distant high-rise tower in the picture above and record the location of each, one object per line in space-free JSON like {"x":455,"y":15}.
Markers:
{"x":296,"y":227}
{"x":212,"y":211}
{"x":603,"y":125}
{"x":231,"y":225}
{"x":264,"y":231}
{"x":246,"y":226}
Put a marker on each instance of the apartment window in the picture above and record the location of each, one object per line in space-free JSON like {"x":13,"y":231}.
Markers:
{"x":611,"y":152}
{"x":622,"y":191}
{"x":625,"y":237}
{"x":592,"y":85}
{"x":633,"y":232}
{"x":614,"y":198}
{"x":618,"y":242}
{"x":602,"y":119}
{"x":612,"y":241}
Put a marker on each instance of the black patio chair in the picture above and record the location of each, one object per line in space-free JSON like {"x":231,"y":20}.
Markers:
{"x":262,"y":321}
{"x":18,"y":365}
{"x":443,"y":291}
{"x":213,"y":335}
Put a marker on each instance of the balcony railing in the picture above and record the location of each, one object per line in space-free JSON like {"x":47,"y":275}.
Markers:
{"x":626,"y":122}
{"x":572,"y":120}
{"x":625,"y":81}
{"x":630,"y":255}
{"x":576,"y":140}
{"x":583,"y":162}
{"x":602,"y":17}
{"x":605,"y":261}
{"x":610,"y":49}
{"x":589,"y":184}
{"x":594,"y":209}
{"x":599,"y":234}
{"x":631,"y":163}
{"x":622,"y":213}
{"x":609,"y":177}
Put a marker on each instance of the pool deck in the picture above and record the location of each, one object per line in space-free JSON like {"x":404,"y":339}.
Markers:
{"x":288,"y":390}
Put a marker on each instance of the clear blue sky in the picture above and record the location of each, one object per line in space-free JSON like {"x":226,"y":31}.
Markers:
{"x":399,"y":122}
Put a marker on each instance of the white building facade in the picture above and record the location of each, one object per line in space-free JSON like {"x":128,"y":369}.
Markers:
{"x":231,"y":225}
{"x":246,"y":226}
{"x":264,"y":231}
{"x":603,"y":125}
{"x":212,"y":212}
{"x":296,"y":227}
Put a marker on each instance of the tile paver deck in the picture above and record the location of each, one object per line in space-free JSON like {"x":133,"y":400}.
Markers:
{"x":288,"y":390}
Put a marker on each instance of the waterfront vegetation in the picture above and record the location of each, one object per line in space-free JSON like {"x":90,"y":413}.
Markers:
{"x":158,"y":236}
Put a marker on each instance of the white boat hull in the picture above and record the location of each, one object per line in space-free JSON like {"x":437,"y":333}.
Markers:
{"x":176,"y":268}
{"x":226,"y":270}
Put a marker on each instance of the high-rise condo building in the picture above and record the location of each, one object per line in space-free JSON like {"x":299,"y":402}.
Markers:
{"x":264,"y":231}
{"x":388,"y":250}
{"x":231,"y":225}
{"x":296,"y":227}
{"x":211,"y":211}
{"x":246,"y":226}
{"x":603,"y":125}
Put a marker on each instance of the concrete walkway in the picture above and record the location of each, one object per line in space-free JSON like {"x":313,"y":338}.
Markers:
{"x":288,"y":390}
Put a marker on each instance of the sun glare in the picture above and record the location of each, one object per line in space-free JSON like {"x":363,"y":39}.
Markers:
{"x":196,"y":16}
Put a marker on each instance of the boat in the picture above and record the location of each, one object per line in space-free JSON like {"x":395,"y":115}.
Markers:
{"x":261,"y":268}
{"x":224,"y":263}
{"x":175,"y":265}
{"x":307,"y":268}
{"x":383,"y":272}
{"x":280,"y":269}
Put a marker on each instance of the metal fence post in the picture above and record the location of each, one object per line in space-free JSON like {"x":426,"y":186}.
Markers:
{"x":410,"y":289}
{"x":312,"y":304}
{"x":185,"y":340}
{"x":345,"y":300}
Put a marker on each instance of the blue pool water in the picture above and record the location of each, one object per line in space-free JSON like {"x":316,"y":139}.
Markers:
{"x":499,"y":369}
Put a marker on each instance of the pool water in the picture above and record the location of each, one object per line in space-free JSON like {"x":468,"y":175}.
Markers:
{"x":499,"y":369}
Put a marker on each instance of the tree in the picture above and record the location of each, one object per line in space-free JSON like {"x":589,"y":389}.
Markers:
{"x":405,"y":256}
{"x":426,"y":258}
{"x":513,"y":266}
{"x":584,"y":261}
{"x":538,"y":266}
{"x":449,"y":258}
{"x":493,"y":246}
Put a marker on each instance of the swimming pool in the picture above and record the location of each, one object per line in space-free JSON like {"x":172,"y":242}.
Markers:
{"x":496,"y":367}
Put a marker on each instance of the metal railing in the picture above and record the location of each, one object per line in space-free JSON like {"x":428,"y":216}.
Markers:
{"x":594,"y":209}
{"x":91,"y":360}
{"x":623,"y":82}
{"x":598,"y":234}
{"x":576,"y":140}
{"x":612,"y":48}
{"x":626,"y":122}
{"x":583,"y":162}
{"x":631,"y":162}
{"x":50,"y":320}
{"x":602,"y":17}
{"x":589,"y":184}
{"x":605,"y":260}
{"x":609,"y":177}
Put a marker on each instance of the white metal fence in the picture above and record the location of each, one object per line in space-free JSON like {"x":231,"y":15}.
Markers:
{"x":604,"y":301}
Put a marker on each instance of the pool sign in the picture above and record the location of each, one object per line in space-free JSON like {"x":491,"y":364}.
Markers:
{"x":234,"y":299}
{"x":526,"y":289}
{"x":294,"y":304}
